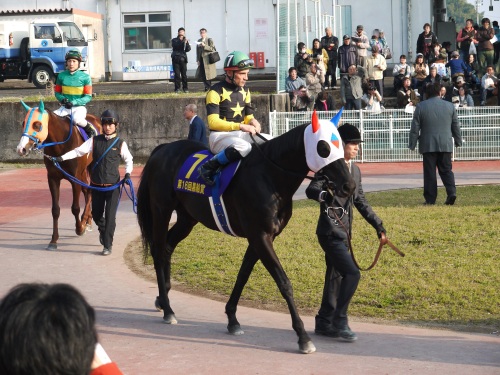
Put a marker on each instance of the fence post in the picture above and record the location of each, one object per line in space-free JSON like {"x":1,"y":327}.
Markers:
{"x":391,"y":129}
{"x":361,"y":130}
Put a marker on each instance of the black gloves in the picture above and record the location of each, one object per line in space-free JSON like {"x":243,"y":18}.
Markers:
{"x":127,"y":178}
{"x":66,"y":103}
{"x":57,"y":159}
{"x":381,"y":230}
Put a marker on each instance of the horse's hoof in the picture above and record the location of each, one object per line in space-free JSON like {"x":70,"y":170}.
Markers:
{"x":88,"y":228}
{"x":157,"y":304}
{"x":307,"y":348}
{"x":170,"y":319}
{"x":51,"y":247}
{"x":235,"y":330}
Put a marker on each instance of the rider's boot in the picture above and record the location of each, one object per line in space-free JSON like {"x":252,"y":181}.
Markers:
{"x":89,"y":130}
{"x":208,"y":170}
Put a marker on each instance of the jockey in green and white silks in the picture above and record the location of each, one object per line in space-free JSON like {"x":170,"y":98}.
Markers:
{"x":74,"y":90}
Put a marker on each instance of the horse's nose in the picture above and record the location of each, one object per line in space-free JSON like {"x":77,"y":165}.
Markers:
{"x":348,"y":187}
{"x":21,"y":151}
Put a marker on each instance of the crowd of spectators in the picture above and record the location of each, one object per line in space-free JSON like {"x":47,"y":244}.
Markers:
{"x":469,"y":70}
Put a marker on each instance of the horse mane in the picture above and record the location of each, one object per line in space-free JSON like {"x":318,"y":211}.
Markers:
{"x":291,"y":141}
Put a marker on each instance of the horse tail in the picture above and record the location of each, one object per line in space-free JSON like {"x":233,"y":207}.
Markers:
{"x":144,"y":214}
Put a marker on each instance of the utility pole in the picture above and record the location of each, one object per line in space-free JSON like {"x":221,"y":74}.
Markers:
{"x":478,"y":3}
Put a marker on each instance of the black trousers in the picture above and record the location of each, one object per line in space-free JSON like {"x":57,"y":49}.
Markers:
{"x":104,"y":205}
{"x":441,"y":160}
{"x":203,"y":76}
{"x":180,"y":75}
{"x":341,"y":281}
{"x":331,"y":71}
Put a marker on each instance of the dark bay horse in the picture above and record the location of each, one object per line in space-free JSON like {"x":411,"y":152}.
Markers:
{"x":258,"y":203}
{"x":42,"y":129}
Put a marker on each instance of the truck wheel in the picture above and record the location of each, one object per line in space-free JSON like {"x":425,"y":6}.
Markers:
{"x":42,"y":76}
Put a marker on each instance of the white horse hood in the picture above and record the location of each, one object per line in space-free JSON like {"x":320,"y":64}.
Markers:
{"x":322,"y":142}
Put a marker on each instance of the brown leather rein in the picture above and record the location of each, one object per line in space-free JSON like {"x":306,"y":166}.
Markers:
{"x":383,"y":241}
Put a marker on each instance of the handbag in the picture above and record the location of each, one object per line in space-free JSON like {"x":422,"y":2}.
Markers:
{"x":213,"y":57}
{"x":386,"y":52}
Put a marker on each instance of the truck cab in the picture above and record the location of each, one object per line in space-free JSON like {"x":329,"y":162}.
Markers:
{"x":36,"y":51}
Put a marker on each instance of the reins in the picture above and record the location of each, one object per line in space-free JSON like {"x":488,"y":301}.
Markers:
{"x":280,"y":168}
{"x":121,"y":183}
{"x":43,"y":145}
{"x":383,"y":241}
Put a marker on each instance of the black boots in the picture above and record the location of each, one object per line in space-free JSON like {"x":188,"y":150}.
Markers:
{"x":90,"y":131}
{"x":209,"y":170}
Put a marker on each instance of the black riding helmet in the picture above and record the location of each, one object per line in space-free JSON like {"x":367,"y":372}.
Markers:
{"x":110,"y":117}
{"x":349,"y":133}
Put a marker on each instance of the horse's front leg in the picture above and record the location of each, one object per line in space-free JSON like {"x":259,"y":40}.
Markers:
{"x":75,"y":209}
{"x":249,"y":260}
{"x":87,"y":211}
{"x":54,"y":187}
{"x":263,"y":245}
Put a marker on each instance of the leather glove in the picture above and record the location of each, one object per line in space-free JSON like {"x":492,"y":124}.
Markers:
{"x":127,"y":178}
{"x":64,"y":101}
{"x":381,"y":230}
{"x":68,"y":104}
{"x":57,"y":159}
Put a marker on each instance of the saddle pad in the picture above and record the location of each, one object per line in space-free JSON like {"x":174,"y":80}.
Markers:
{"x":189,"y":180}
{"x":83,"y":133}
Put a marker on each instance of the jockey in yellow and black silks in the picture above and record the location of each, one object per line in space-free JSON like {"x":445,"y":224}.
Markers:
{"x":230,"y":116}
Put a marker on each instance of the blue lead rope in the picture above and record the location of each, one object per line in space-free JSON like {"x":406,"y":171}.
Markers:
{"x":122,"y":183}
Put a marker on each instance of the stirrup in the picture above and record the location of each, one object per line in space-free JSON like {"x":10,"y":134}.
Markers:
{"x":208,"y":175}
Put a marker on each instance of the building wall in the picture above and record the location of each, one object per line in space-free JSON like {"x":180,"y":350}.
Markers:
{"x":246,"y":25}
{"x":393,"y":17}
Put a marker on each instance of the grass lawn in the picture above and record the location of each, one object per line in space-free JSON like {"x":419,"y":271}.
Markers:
{"x":449,"y":277}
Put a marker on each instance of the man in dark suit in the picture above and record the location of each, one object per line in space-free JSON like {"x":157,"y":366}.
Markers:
{"x":435,"y":125}
{"x":197,"y":129}
{"x":180,"y":47}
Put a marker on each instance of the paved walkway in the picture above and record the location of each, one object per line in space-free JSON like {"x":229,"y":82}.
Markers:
{"x":132,"y":331}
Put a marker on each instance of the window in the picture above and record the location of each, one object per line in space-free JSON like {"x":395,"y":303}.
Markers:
{"x":147,"y":31}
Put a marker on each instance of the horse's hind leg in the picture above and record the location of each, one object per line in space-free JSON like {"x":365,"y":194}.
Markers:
{"x":267,"y":255}
{"x":249,"y":260}
{"x":162,"y":261}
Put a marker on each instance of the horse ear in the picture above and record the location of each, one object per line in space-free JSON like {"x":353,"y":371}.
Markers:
{"x":41,"y":107}
{"x":335,"y":121}
{"x":315,"y":122}
{"x":26,"y":107}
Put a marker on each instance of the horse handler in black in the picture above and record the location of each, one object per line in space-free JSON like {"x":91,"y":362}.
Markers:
{"x":334,"y":226}
{"x":107,"y":150}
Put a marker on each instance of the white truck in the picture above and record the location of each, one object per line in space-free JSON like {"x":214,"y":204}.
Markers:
{"x":35,"y":50}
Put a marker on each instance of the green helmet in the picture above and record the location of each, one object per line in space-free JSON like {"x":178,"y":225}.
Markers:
{"x":237,"y":60}
{"x":73,"y":54}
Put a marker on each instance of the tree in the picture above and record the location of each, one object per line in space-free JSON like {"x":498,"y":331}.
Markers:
{"x":461,"y":10}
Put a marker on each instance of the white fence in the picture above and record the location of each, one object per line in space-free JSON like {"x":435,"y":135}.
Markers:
{"x":385,"y":134}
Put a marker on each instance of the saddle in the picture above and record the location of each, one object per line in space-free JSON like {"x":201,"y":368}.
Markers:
{"x":188,"y":180}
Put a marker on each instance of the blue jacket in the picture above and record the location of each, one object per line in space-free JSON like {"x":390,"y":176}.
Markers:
{"x":198,"y":131}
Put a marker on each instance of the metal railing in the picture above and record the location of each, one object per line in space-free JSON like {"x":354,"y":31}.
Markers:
{"x":385,"y":134}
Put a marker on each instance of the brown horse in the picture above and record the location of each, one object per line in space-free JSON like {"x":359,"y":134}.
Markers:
{"x":42,"y":129}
